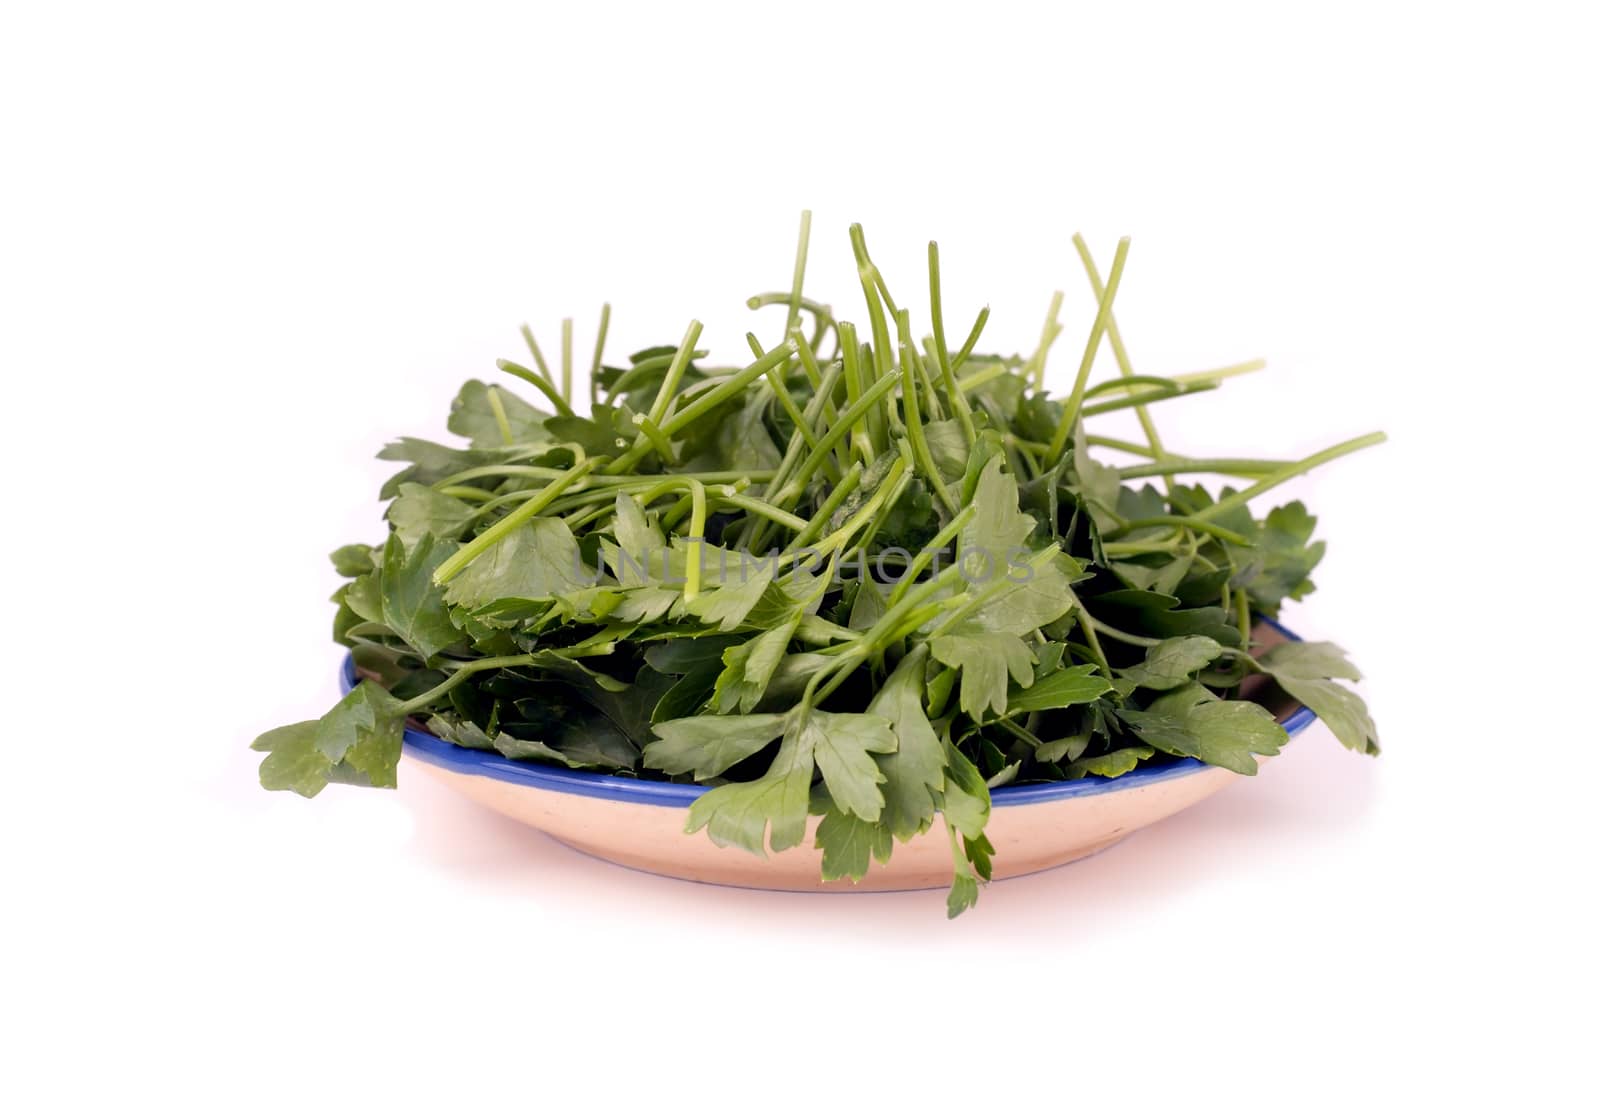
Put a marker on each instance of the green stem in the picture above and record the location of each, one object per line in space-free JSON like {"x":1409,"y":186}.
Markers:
{"x":1233,"y":501}
{"x":972,"y":340}
{"x":539,"y":382}
{"x":809,"y":529}
{"x":1199,"y":525}
{"x":919,"y":441}
{"x":533,"y":348}
{"x":1047,"y":339}
{"x":510,"y":523}
{"x":680,"y":363}
{"x":599,"y":356}
{"x":799,"y":271}
{"x":1069,"y":414}
{"x":1134,"y":400}
{"x":566,"y":360}
{"x":422,"y":701}
{"x":499,"y":410}
{"x":958,"y":399}
{"x":925,"y":555}
{"x":830,"y":439}
{"x":1118,"y":350}
{"x":1241,"y":468}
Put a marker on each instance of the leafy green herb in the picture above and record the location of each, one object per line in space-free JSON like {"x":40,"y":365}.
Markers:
{"x":862,"y":579}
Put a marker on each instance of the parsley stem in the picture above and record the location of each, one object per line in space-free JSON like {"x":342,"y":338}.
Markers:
{"x":658,"y":440}
{"x":919,"y":441}
{"x":872,"y":433}
{"x":1096,"y":626}
{"x":599,"y":356}
{"x":836,"y":498}
{"x":1022,"y":733}
{"x":814,"y":374}
{"x":829,"y":439}
{"x":897,"y":489}
{"x":799,"y":271}
{"x":539,"y":382}
{"x":465,"y":670}
{"x":927,"y":552}
{"x":958,"y":399}
{"x":1150,"y":396}
{"x":1284,"y":474}
{"x":1069,"y":414}
{"x":972,"y":340}
{"x":1199,"y":525}
{"x":1133,"y":380}
{"x":533,"y":348}
{"x":821,"y":312}
{"x":1242,"y":468}
{"x":718,"y":396}
{"x":497,"y":407}
{"x":680,"y":362}
{"x":888,"y":492}
{"x":870,"y":283}
{"x":1047,"y":339}
{"x":726,"y":495}
{"x":510,"y":523}
{"x":1087,"y":624}
{"x":696,"y":541}
{"x":566,"y":360}
{"x":781,"y":391}
{"x":985,"y":375}
{"x":1119,"y":351}
{"x":640,"y":372}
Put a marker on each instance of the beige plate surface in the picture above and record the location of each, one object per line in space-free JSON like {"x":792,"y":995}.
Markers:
{"x":1027,"y":838}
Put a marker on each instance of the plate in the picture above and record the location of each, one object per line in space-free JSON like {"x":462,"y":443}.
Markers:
{"x":639,"y":823}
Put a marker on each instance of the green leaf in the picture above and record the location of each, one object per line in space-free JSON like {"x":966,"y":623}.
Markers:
{"x":413,"y":605}
{"x":539,"y":561}
{"x":1039,"y":595}
{"x":639,"y":557}
{"x":739,"y":813}
{"x":965,"y":801}
{"x":293,"y":761}
{"x":726,"y":606}
{"x":914,"y":773}
{"x":849,"y":843}
{"x":843,"y":744}
{"x":1112,"y":765}
{"x":359,"y":738}
{"x":750,"y":666}
{"x":987,"y":663}
{"x":1078,"y":684}
{"x":1173,"y":661}
{"x":473,"y":416}
{"x":1279,"y":565}
{"x":421,"y":511}
{"x":1309,"y":661}
{"x":999,"y":525}
{"x":1194,"y":723}
{"x":708,"y":745}
{"x":352,"y":560}
{"x":364,"y":729}
{"x":1303,"y":669}
{"x":948,"y":444}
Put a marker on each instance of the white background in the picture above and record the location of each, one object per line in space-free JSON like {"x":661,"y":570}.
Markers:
{"x":241,"y":246}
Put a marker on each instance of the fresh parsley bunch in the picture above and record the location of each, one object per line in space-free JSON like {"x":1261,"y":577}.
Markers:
{"x":868,"y":576}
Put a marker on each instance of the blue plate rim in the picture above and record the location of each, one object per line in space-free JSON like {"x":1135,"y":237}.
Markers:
{"x":644,"y":791}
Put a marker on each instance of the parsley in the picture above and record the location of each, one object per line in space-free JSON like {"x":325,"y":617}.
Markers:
{"x":866,"y":577}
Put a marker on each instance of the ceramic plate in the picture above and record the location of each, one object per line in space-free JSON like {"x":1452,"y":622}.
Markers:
{"x":639,"y":823}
